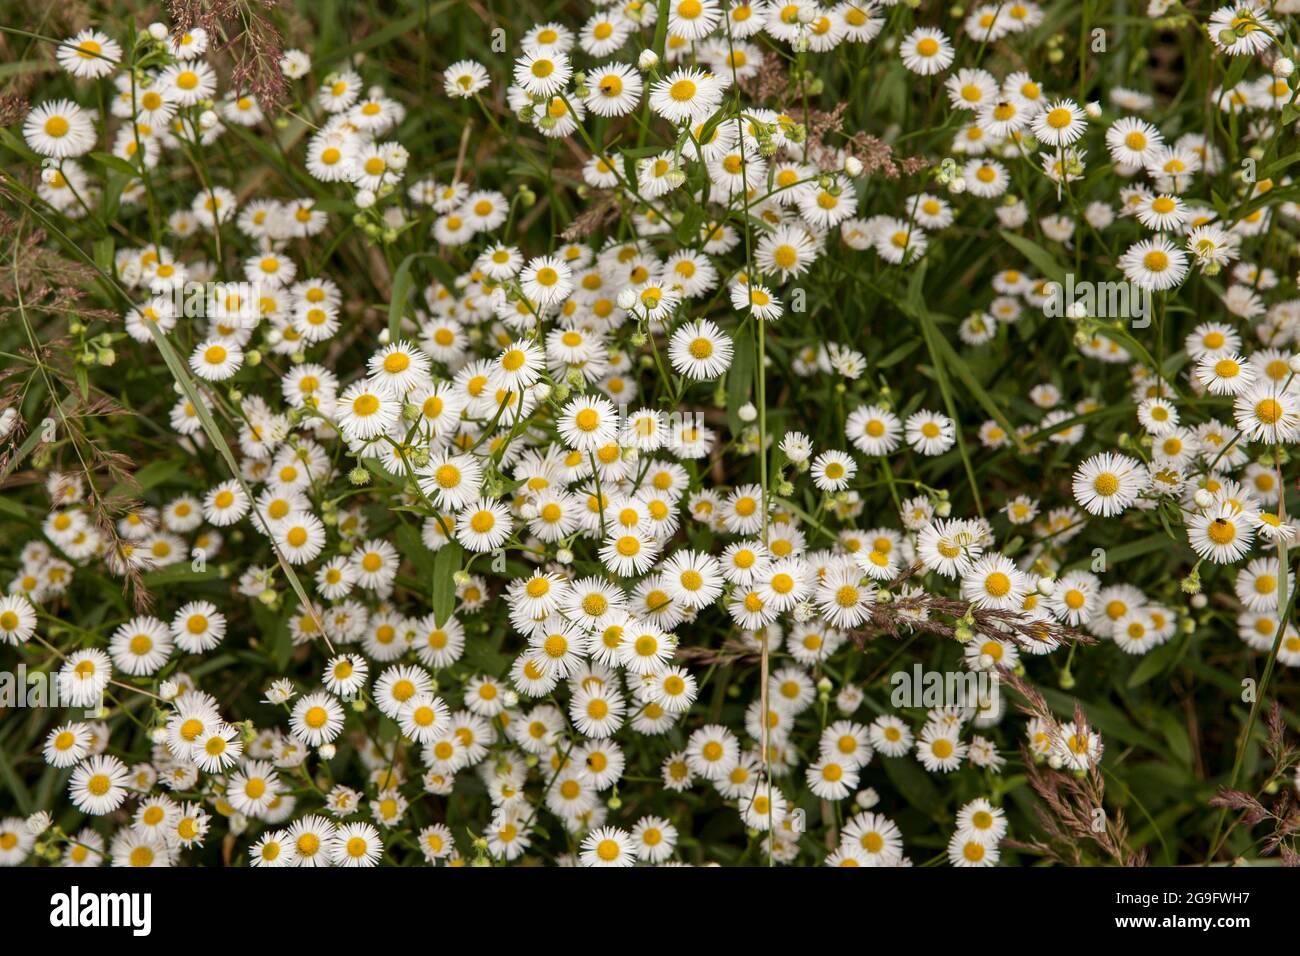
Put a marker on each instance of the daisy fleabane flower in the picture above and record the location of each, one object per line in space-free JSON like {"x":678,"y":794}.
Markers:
{"x":59,"y":129}
{"x":90,"y":54}
{"x":1269,"y":412}
{"x":994,"y":582}
{"x":686,"y":95}
{"x":1221,"y":534}
{"x":1242,"y":28}
{"x":1108,"y":483}
{"x":1154,"y":264}
{"x":926,"y":51}
{"x":541,"y":73}
{"x":874,"y":430}
{"x":464,"y":78}
{"x":1225,"y":374}
{"x":1059,"y":124}
{"x":930,"y":433}
{"x":295,"y":64}
{"x":700,"y":350}
{"x":613,"y":90}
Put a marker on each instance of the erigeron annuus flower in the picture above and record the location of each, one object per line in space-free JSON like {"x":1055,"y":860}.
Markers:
{"x":84,"y":676}
{"x":833,"y":470}
{"x":758,"y":299}
{"x":59,"y":128}
{"x":686,"y":95}
{"x":90,"y":54}
{"x":1109,"y":483}
{"x":1221,"y":534}
{"x":451,"y":480}
{"x":926,"y":51}
{"x":930,"y":433}
{"x":874,"y":430}
{"x":1131,"y":141}
{"x":300,"y":537}
{"x":483,"y":525}
{"x":1268,"y":412}
{"x":897,"y":241}
{"x":1154,"y":264}
{"x":464,"y":78}
{"x":587,"y":424}
{"x":367,"y":409}
{"x":700,"y":350}
{"x":216,"y":748}
{"x":966,"y":850}
{"x":17,"y":619}
{"x":98,"y":785}
{"x":1225,"y":374}
{"x":1059,"y":123}
{"x":543,"y":73}
{"x":1163,"y":213}
{"x":940,"y":749}
{"x":993,"y":581}
{"x":1242,"y":28}
{"x":844,"y":598}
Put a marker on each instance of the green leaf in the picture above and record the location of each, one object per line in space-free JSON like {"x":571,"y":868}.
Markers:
{"x":112,"y":200}
{"x":913,"y":783}
{"x":446,"y":563}
{"x":411,"y":546}
{"x":1040,"y":258}
{"x":661,"y":30}
{"x":18,"y":146}
{"x":14,"y":784}
{"x":150,"y":476}
{"x":1277,"y":166}
{"x":180,"y":574}
{"x":12,"y":508}
{"x":740,"y":377}
{"x":897,"y":355}
{"x":1175,"y":734}
{"x":23,"y":67}
{"x":403,"y":283}
{"x":1154,"y":663}
{"x":116,"y":163}
{"x":934,"y":341}
{"x":103,"y":254}
{"x":953,"y":362}
{"x":1109,"y":720}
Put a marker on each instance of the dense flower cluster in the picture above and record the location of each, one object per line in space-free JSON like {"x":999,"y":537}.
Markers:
{"x":548,"y":525}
